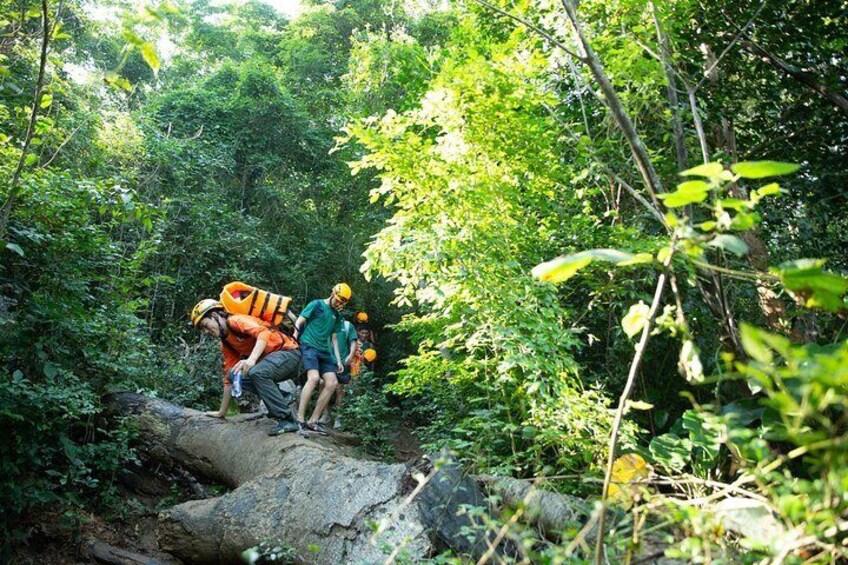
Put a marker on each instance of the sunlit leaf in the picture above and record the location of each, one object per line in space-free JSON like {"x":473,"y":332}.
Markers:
{"x":689,"y":362}
{"x":627,"y":469}
{"x":683,"y":197}
{"x":708,"y":170}
{"x":763,"y":169}
{"x":148,"y":51}
{"x":819,"y":288}
{"x":635,"y":319}
{"x":639,"y":405}
{"x":15,"y":248}
{"x":563,"y":268}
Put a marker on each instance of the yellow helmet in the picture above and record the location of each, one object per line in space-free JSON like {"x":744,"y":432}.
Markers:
{"x":361,"y":318}
{"x":342,"y":290}
{"x":204,"y":307}
{"x":369,"y":355}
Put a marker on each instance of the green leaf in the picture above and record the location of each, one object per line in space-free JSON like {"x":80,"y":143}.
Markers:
{"x":563,"y":268}
{"x":763,"y":169}
{"x":705,"y":431}
{"x":148,"y":51}
{"x":635,"y":320}
{"x":638,"y":259}
{"x":687,"y":193}
{"x":689,"y":362}
{"x":46,"y":100}
{"x":769,"y":190}
{"x":754,"y":345}
{"x":639,"y":405}
{"x":820,"y":289}
{"x":671,"y":451}
{"x":729,"y":243}
{"x":15,"y":247}
{"x":708,"y":170}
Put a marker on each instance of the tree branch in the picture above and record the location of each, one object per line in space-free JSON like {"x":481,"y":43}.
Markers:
{"x":14,"y":186}
{"x":806,"y":78}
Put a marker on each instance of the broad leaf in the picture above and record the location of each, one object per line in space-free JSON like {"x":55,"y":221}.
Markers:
{"x":819,"y":289}
{"x":636,"y":318}
{"x":16,"y":248}
{"x":671,"y":451}
{"x":563,"y":268}
{"x":763,"y":169}
{"x":708,"y":170}
{"x":729,"y":243}
{"x":148,"y":51}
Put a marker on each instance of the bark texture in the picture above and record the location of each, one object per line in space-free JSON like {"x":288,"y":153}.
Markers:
{"x":287,"y":489}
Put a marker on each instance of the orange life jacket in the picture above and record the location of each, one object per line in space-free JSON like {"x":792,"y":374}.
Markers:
{"x":240,"y":298}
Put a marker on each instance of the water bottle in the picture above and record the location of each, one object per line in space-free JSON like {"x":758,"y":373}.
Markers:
{"x":235,"y":378}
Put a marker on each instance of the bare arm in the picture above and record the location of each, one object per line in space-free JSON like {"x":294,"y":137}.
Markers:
{"x":298,"y":325}
{"x":352,"y":350}
{"x":225,"y":405}
{"x":335,"y":339}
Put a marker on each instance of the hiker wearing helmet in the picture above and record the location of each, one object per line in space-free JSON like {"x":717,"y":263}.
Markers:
{"x":261,"y":355}
{"x":346,"y":338}
{"x":317,"y":327}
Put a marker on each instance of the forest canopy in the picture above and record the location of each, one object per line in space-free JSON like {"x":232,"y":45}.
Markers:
{"x":583,"y":230}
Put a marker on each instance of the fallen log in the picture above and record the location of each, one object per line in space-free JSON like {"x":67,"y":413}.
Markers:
{"x":288,"y":490}
{"x":110,"y":555}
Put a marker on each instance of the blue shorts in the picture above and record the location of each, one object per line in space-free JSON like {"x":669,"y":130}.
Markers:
{"x":315,"y":359}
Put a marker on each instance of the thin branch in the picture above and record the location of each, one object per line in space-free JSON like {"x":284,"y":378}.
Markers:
{"x":620,"y":115}
{"x":532,"y":27}
{"x":730,"y":46}
{"x":14,"y":189}
{"x":625,"y":395}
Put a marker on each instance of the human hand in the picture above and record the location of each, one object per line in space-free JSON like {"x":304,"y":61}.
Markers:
{"x":215,"y":414}
{"x":340,"y":367}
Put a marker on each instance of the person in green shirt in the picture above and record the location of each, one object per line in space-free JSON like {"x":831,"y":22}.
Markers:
{"x":317,"y":328}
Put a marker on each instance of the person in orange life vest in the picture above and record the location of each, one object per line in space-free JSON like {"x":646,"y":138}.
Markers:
{"x":360,"y":360}
{"x":316,"y":327}
{"x":263,"y":356}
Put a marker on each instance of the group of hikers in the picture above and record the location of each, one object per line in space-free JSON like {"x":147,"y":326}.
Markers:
{"x":260,"y":351}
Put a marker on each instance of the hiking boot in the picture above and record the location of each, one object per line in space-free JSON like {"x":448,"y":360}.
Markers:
{"x":337,"y":425}
{"x":325,"y":418}
{"x":283,"y":427}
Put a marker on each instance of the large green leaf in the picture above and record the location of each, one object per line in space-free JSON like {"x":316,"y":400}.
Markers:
{"x":763,"y":169}
{"x":563,"y":268}
{"x":819,"y":289}
{"x":729,"y":243}
{"x":708,"y":170}
{"x":671,"y":451}
{"x":635,"y":319}
{"x":148,"y":51}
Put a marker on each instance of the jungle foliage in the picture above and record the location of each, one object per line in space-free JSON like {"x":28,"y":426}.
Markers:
{"x":440,"y":158}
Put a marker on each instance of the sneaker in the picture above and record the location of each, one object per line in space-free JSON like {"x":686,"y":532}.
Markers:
{"x":283,"y":427}
{"x":337,"y":425}
{"x":325,"y":418}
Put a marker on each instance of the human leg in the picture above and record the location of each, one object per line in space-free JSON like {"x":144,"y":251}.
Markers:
{"x":263,"y":380}
{"x":330,"y":385}
{"x":312,"y":379}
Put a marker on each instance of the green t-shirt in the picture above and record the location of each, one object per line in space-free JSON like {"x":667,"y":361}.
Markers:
{"x":321,"y":322}
{"x":345,"y":335}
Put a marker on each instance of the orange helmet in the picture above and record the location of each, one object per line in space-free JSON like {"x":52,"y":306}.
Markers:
{"x":361,"y":318}
{"x":370,"y":355}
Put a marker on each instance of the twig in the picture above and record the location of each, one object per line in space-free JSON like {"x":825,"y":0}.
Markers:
{"x":533,"y":28}
{"x":625,"y":395}
{"x":14,"y":189}
{"x":736,"y":39}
